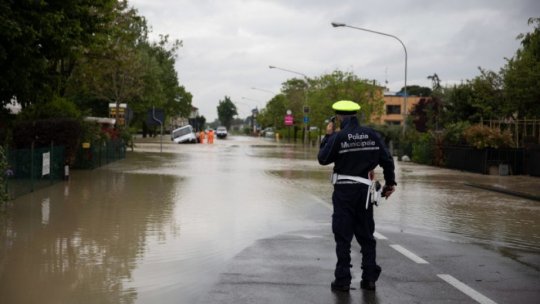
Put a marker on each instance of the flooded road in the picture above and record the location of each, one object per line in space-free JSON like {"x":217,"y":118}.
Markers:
{"x":160,"y":227}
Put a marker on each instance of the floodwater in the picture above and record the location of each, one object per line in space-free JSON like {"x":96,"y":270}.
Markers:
{"x":160,"y":227}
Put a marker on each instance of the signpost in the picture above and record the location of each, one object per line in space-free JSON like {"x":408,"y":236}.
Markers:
{"x":157,"y":116}
{"x":306,"y":124}
{"x":121,"y":115}
{"x":289,"y":121}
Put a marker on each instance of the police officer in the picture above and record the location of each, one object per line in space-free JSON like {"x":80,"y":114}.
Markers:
{"x":355,"y":151}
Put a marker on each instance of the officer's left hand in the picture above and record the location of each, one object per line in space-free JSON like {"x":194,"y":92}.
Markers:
{"x":388,"y":190}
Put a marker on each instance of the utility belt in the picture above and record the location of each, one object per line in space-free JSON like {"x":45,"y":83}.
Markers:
{"x":374,"y":187}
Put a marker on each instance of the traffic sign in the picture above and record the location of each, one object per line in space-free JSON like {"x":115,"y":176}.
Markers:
{"x":289,"y":121}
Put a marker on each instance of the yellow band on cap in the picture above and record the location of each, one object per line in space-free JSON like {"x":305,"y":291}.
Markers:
{"x":346,"y":106}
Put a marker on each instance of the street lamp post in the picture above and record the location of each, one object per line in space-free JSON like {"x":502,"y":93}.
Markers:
{"x":254,"y":113}
{"x":335,"y":24}
{"x":306,"y":131}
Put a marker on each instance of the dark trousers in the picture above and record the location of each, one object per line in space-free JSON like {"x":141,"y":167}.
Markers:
{"x":350,"y":218}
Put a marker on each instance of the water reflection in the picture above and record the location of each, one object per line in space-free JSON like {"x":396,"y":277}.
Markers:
{"x":80,"y":247}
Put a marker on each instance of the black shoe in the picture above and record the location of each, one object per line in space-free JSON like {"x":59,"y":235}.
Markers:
{"x":337,"y":287}
{"x":367,"y":285}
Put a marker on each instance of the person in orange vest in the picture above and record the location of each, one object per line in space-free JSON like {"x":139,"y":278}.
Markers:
{"x":210,"y":136}
{"x":201,"y":137}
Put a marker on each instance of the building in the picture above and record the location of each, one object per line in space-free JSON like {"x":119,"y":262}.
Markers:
{"x":392,"y":109}
{"x":179,"y":121}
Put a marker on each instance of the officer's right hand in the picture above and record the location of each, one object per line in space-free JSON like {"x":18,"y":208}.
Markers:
{"x":330,"y":128}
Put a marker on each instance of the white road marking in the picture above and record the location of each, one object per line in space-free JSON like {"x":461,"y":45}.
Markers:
{"x":409,"y":254}
{"x":379,"y":236}
{"x":478,"y":297}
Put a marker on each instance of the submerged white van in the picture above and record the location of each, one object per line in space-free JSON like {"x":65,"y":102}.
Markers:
{"x":184,"y":135}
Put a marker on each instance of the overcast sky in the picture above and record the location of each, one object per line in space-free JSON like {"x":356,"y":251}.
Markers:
{"x":229,"y":44}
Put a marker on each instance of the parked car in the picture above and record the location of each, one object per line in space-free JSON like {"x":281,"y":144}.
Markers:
{"x":184,"y":134}
{"x":221,"y":132}
{"x":268,"y":132}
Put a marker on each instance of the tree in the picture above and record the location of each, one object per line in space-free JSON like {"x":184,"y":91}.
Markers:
{"x":522,"y":75}
{"x":113,"y":70}
{"x":296,"y":97}
{"x":458,"y":104}
{"x":41,"y":42}
{"x":124,"y":67}
{"x":426,"y":114}
{"x":226,"y":110}
{"x":273,"y":113}
{"x":416,"y":90}
{"x":474,"y":100}
{"x":199,"y":122}
{"x":435,"y":81}
{"x":488,"y":97}
{"x":319,"y":94}
{"x":338,"y":85}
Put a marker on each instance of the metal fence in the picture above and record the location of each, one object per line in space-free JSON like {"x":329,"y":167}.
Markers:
{"x":481,"y":160}
{"x":32,"y":169}
{"x":532,"y":160}
{"x":97,"y":154}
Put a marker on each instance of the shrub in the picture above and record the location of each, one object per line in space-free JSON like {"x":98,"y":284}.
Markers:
{"x":58,"y":107}
{"x":454,"y":133}
{"x":61,"y":132}
{"x":480,"y":137}
{"x":422,"y":149}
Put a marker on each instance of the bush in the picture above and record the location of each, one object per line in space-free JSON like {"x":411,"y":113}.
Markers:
{"x":388,"y":132}
{"x":61,"y":132}
{"x":90,"y":131}
{"x":422,"y":149}
{"x":482,"y":137}
{"x":454,"y":133}
{"x":58,"y":107}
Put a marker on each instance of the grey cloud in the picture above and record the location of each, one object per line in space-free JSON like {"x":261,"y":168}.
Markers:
{"x":228,"y":45}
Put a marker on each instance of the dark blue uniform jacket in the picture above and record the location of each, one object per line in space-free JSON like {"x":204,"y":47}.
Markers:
{"x":356,"y":150}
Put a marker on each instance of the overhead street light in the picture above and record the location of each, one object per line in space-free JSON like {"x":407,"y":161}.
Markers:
{"x":246,"y":98}
{"x":264,"y":90}
{"x":336,"y":24}
{"x":290,"y":71}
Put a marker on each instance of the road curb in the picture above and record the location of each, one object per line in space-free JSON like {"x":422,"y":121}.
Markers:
{"x":504,"y":191}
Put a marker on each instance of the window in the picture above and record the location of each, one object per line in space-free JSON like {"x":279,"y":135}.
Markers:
{"x":392,"y":109}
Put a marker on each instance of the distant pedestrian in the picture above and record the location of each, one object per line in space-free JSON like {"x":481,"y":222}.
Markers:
{"x":201,"y":137}
{"x":210,"y":136}
{"x":355,"y":151}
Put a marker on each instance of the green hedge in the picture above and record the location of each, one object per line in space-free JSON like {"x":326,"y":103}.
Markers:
{"x":62,"y":132}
